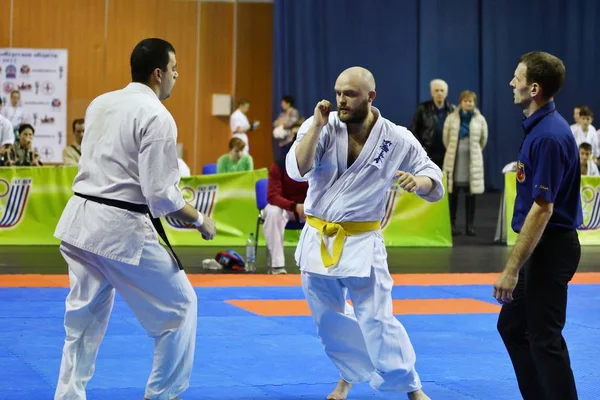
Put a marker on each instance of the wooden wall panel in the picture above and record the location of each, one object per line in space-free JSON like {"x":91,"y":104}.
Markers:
{"x":179,"y":27}
{"x":254,"y":73}
{"x":70,"y":24}
{"x":5,"y":25}
{"x":99,"y":60}
{"x":216,"y":58}
{"x":129,"y":21}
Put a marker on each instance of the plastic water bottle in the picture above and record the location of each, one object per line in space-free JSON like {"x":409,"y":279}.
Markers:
{"x":250,"y":254}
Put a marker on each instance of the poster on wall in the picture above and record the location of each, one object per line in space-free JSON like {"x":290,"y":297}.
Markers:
{"x":40,"y":75}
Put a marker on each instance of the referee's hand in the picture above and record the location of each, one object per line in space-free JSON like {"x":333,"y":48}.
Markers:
{"x":504,"y":286}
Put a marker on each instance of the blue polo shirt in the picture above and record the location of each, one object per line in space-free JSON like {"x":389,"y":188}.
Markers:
{"x":548,"y":167}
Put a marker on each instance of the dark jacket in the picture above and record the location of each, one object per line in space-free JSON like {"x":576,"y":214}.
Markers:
{"x":425,"y":122}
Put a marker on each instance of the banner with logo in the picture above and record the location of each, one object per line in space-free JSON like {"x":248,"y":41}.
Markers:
{"x":41,"y":77}
{"x":32,"y":200}
{"x":230,"y":200}
{"x":589,"y":231}
{"x":411,"y":221}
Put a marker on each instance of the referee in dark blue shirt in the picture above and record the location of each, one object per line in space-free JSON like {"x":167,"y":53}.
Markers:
{"x":533,"y":286}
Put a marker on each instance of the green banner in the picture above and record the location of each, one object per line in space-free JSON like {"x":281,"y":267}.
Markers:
{"x":589,"y":231}
{"x":410,"y":221}
{"x":32,"y":200}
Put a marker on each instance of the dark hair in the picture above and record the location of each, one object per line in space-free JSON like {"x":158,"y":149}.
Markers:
{"x":585,"y":146}
{"x":288,"y":99}
{"x":78,"y":121}
{"x":0,"y":101}
{"x":22,"y":128}
{"x":585,"y":111}
{"x":236,"y":143}
{"x":148,"y":55}
{"x":282,"y":152}
{"x":243,"y":102}
{"x":546,"y":70}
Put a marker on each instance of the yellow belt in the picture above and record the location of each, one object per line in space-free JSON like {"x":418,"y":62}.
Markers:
{"x":340,"y":231}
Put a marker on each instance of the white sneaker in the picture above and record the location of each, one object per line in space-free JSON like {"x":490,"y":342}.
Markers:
{"x":278,"y":271}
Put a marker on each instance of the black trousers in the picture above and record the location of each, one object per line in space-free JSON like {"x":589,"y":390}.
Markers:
{"x":531,"y":325}
{"x":469,"y":205}
{"x":437,"y":158}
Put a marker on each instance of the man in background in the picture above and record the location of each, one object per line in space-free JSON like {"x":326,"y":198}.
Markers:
{"x":72,"y":153}
{"x":14,"y":112}
{"x":286,"y":203}
{"x":588,"y":166}
{"x":7,"y":135}
{"x":428,"y":122}
{"x":240,"y":125}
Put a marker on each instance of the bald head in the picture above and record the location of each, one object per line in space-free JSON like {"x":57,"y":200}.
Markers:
{"x":355,"y":91}
{"x":358,"y":77}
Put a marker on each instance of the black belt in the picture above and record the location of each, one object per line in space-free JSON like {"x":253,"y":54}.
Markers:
{"x":138,"y":208}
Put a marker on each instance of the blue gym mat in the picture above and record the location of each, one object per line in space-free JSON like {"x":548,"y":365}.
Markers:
{"x":240,"y":355}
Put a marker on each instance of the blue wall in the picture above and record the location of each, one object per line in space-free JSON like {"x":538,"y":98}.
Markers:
{"x":472,"y":44}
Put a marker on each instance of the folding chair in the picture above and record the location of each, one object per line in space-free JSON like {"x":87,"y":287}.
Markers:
{"x":209,"y":169}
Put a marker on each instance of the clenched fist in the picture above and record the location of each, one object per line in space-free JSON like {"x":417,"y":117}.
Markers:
{"x":208,"y":229}
{"x":407,"y":181}
{"x":322,"y":111}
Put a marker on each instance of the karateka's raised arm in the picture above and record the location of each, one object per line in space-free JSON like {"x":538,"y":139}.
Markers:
{"x":305,"y":152}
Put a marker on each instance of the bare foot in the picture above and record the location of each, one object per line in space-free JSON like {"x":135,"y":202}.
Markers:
{"x":418,"y":395}
{"x":341,"y":391}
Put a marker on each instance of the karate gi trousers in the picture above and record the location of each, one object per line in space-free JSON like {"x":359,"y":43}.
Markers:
{"x":161,"y":297}
{"x":365,"y":341}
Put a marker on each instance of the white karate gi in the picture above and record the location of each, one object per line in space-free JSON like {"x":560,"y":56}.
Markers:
{"x":7,"y":134}
{"x":184,"y":170}
{"x":589,"y":137}
{"x":239,"y":120}
{"x":128,"y":154}
{"x":366,"y":342}
{"x":16,"y":115}
{"x":592,"y":169}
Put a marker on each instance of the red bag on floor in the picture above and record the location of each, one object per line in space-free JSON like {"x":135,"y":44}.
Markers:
{"x":231,"y":261}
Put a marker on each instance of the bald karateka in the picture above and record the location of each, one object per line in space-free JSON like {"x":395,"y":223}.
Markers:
{"x":128,"y":168}
{"x":350,"y":158}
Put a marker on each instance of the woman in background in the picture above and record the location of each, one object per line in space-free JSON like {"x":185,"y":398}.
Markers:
{"x":283,"y":125}
{"x":465,"y":136}
{"x":235,"y":160}
{"x":21,"y":153}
